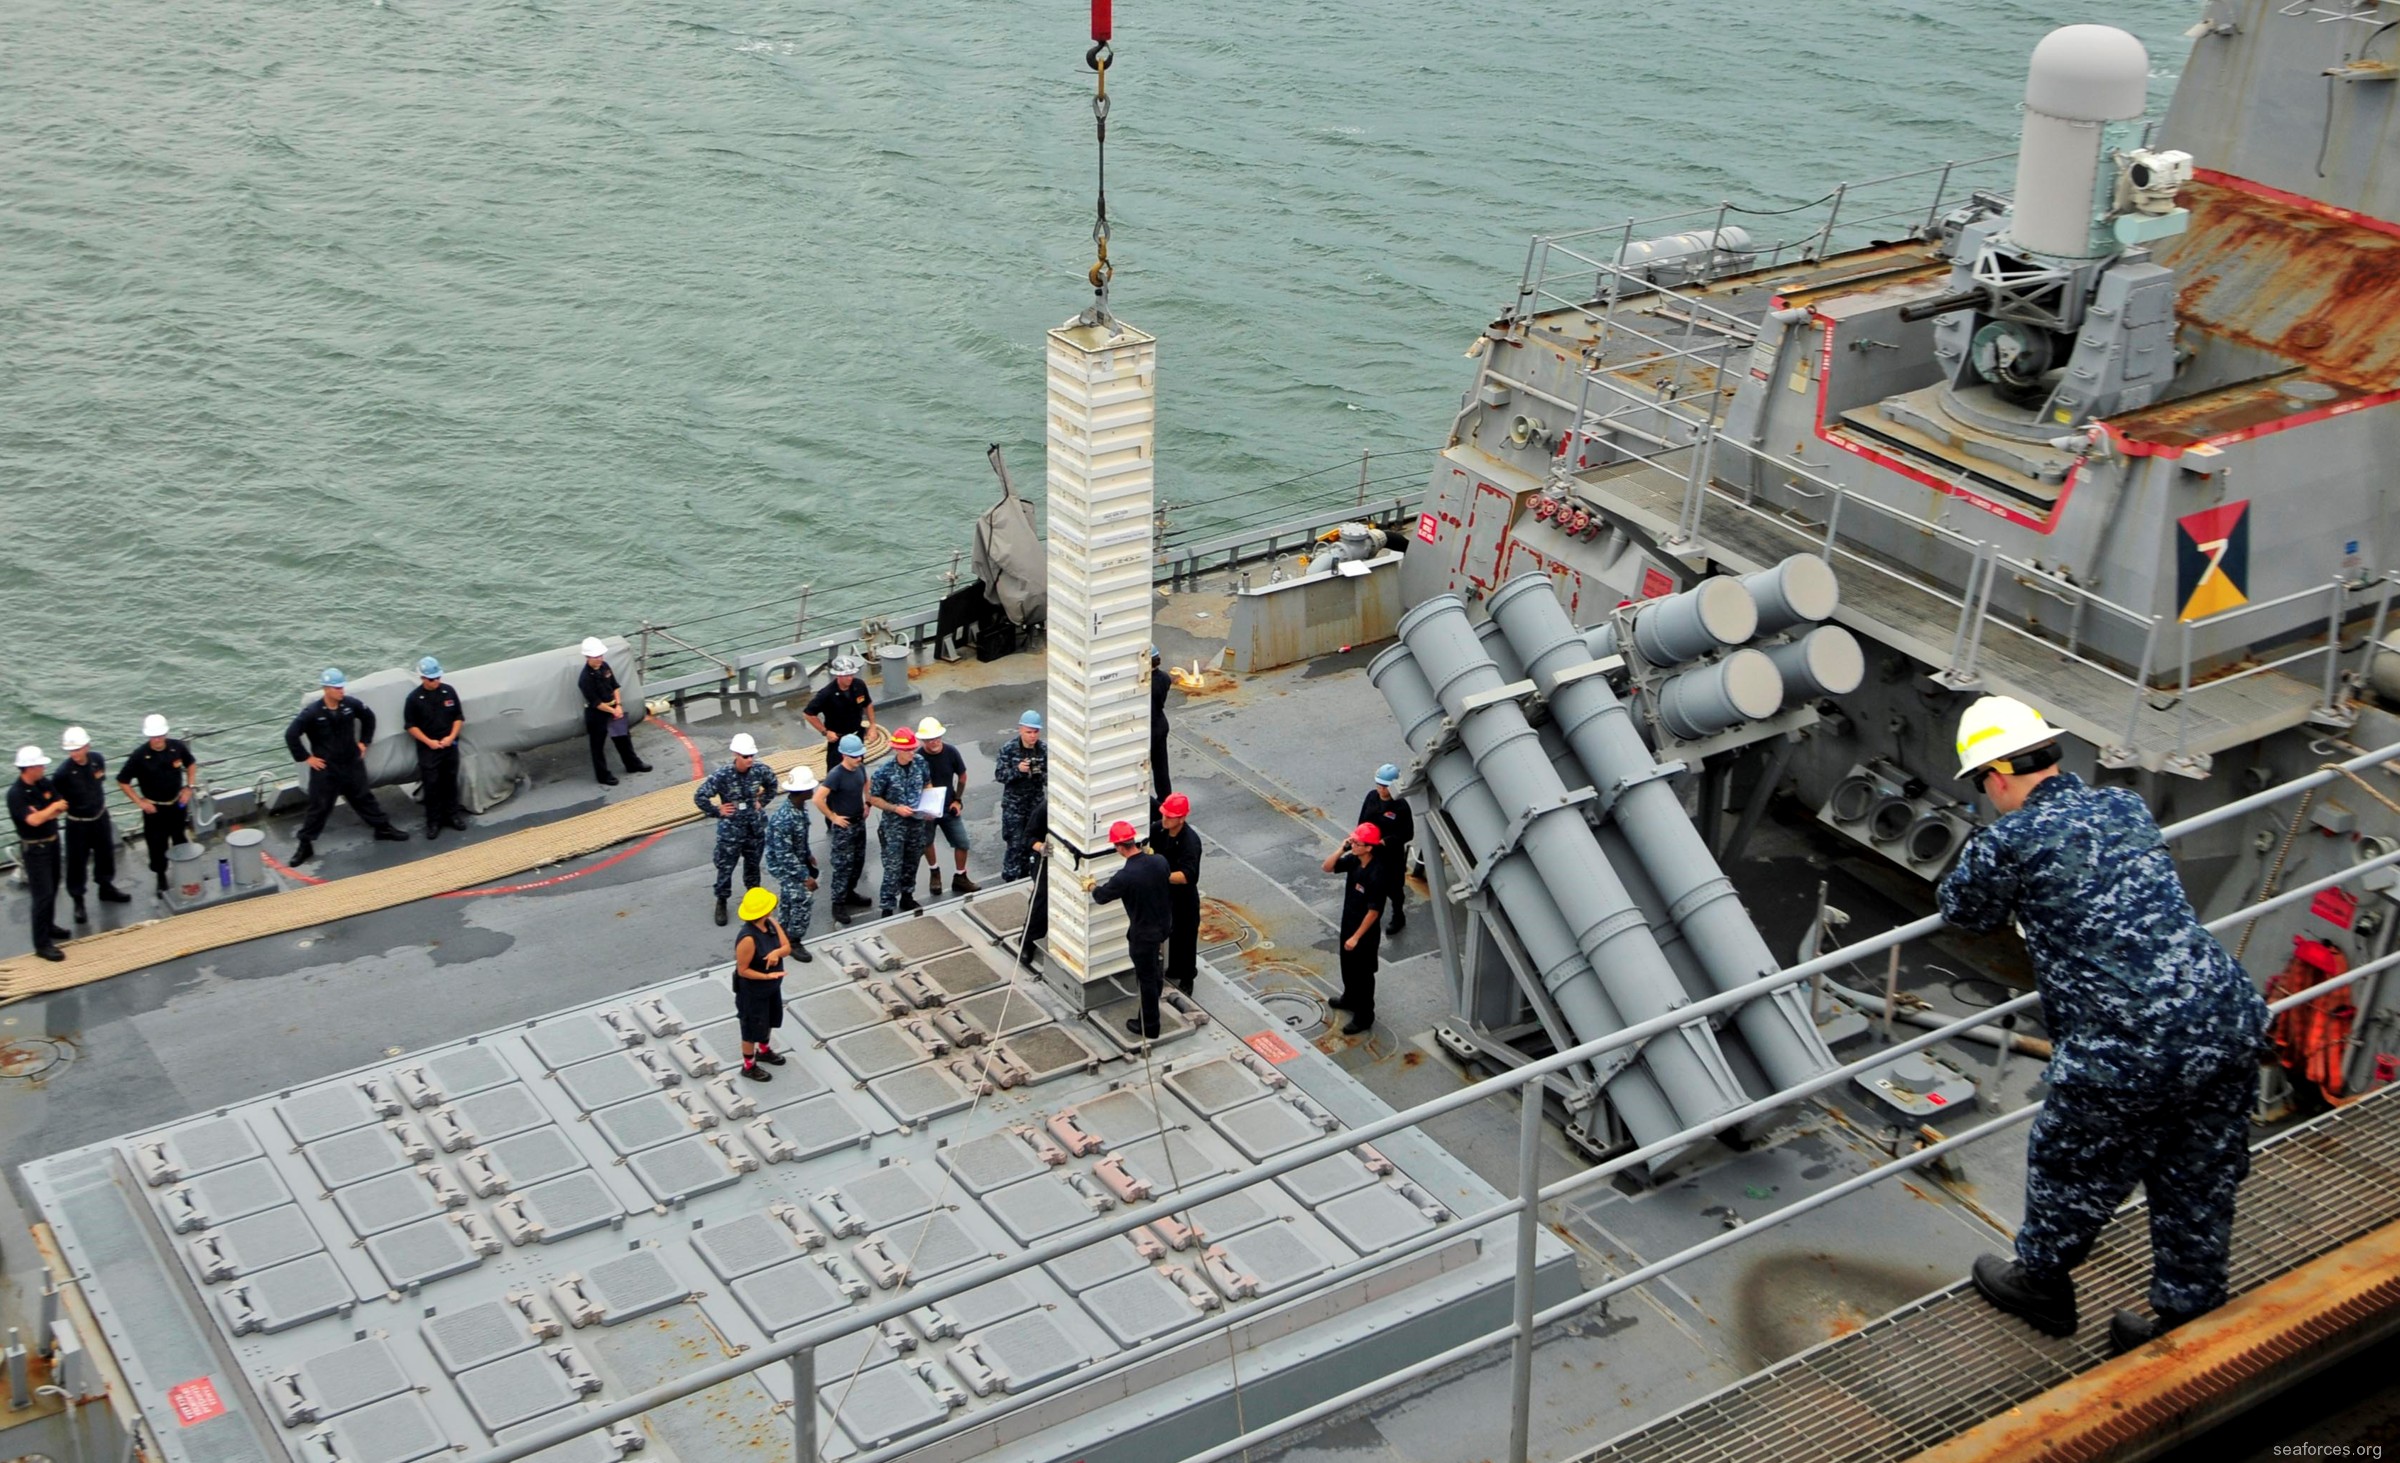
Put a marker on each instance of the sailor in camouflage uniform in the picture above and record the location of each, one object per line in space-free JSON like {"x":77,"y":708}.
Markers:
{"x":902,"y":830}
{"x":742,"y":791}
{"x":1023,"y":772}
{"x":789,"y":859}
{"x":2156,"y":1031}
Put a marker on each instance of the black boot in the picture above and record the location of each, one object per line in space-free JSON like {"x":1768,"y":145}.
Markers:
{"x":300,"y":855}
{"x":1399,"y":923}
{"x":1134,"y":1025}
{"x":720,"y":911}
{"x":1359,"y":1024}
{"x":606,"y":778}
{"x":770,"y":1057}
{"x":82,"y":916}
{"x":2130,"y":1329}
{"x":388,"y":834}
{"x":433,"y":830}
{"x":458,"y":821}
{"x":626,"y":756}
{"x":161,"y":890}
{"x":2046,"y":1305}
{"x":109,"y":894}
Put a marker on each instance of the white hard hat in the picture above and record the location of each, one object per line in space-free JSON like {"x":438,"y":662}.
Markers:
{"x":1996,"y":728}
{"x":594,"y":645}
{"x":75,"y":737}
{"x":800,"y":779}
{"x":31,"y":756}
{"x":742,"y":746}
{"x":931,"y":728}
{"x":847,"y":665}
{"x":154,"y":725}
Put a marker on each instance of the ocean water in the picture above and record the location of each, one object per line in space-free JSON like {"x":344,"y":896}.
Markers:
{"x":341,"y":331}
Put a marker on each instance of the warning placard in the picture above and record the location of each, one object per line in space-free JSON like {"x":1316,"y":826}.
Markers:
{"x":1428,"y":528}
{"x":195,"y":1400}
{"x":1656,"y":582}
{"x":1274,"y":1048}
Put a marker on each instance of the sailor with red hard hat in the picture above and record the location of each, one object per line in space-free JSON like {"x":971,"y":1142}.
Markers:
{"x":1141,"y":881}
{"x":1364,"y":890}
{"x":1175,"y":840}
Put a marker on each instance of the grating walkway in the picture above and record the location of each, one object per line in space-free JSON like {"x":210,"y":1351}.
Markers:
{"x":1933,"y":1369}
{"x":138,"y":947}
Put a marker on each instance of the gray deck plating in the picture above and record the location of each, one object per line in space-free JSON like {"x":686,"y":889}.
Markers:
{"x":608,"y":1185}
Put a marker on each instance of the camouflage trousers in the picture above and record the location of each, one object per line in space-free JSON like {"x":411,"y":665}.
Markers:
{"x":739,"y":840}
{"x":846,"y":849}
{"x":2189,"y":1148}
{"x":798,"y":903}
{"x":1020,"y":814}
{"x":903,"y":841}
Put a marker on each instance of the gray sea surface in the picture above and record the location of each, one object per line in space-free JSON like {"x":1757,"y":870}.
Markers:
{"x":341,"y":331}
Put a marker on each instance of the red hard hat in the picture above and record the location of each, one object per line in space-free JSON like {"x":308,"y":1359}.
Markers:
{"x":1121,"y":832}
{"x":1176,"y":806}
{"x":1368,"y":834}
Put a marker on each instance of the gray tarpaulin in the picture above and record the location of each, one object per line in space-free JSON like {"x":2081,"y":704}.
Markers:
{"x":511,"y":706}
{"x":1009,"y":557}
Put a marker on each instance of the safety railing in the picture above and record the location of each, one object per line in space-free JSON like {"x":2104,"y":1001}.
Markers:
{"x":1527,"y":1085}
{"x":763,"y":648}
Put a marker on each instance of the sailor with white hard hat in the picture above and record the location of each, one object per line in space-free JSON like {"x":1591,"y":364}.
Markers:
{"x":331,"y":734}
{"x":38,"y":811}
{"x":161,"y":777}
{"x":2156,"y":1031}
{"x":738,"y":794}
{"x":604,"y":718}
{"x":91,"y":839}
{"x":947,"y":770}
{"x":842,"y":707}
{"x":789,"y":859}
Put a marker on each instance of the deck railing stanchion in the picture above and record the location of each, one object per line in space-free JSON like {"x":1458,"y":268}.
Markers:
{"x":804,"y":1405}
{"x":1529,"y":1226}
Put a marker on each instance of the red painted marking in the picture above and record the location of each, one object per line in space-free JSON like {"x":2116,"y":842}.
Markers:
{"x":1274,"y":1048}
{"x":1427,"y":527}
{"x":2335,"y":906}
{"x":195,"y":1401}
{"x":1656,"y":582}
{"x":1937,"y":1099}
{"x":2135,"y":447}
{"x":699,"y":767}
{"x":2387,"y":1066}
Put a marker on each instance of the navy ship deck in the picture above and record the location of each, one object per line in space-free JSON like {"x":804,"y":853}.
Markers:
{"x":1274,"y":766}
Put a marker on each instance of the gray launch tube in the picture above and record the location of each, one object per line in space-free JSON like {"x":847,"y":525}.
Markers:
{"x":1647,"y":809}
{"x":1744,"y":686}
{"x":1824,"y":662}
{"x":1703,"y":619}
{"x":1576,"y":878}
{"x":1799,"y":591}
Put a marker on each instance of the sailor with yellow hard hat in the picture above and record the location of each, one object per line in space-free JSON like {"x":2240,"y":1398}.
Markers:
{"x":758,"y":956}
{"x":2156,"y":1032}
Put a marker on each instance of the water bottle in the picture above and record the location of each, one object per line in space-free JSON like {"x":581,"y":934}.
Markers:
{"x":224,"y":874}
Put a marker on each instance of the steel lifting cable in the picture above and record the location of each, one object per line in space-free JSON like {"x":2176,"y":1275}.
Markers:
{"x":1099,"y":58}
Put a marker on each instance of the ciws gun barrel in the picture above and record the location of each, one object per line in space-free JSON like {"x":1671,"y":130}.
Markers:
{"x":1940,"y":305}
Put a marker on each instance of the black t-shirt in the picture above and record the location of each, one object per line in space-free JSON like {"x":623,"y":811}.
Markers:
{"x":598,"y":683}
{"x":25,"y":798}
{"x":945,"y":768}
{"x":842,"y":711}
{"x":1399,"y":825}
{"x":1362,"y":893}
{"x":83,"y":784}
{"x":334,"y":733}
{"x":763,"y":937}
{"x":846,"y":791}
{"x":158,"y":771}
{"x":433,"y":711}
{"x":1142,"y":884}
{"x":1182,"y":853}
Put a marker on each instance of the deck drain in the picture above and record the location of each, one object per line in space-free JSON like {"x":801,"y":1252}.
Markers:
{"x":1294,"y":1013}
{"x":32,"y":1056}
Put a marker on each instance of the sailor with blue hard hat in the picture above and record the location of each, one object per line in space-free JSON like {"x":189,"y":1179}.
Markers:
{"x":331,"y":734}
{"x":842,"y":798}
{"x":1023,"y":771}
{"x":435,"y":720}
{"x":1389,"y":812}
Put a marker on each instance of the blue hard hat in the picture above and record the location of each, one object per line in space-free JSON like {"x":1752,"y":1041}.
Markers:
{"x":333,"y":677}
{"x":1387,"y":775}
{"x":429,"y":667}
{"x":1032,"y":719}
{"x":851,"y":746}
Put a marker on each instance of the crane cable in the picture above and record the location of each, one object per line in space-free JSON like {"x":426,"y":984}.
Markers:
{"x":1099,"y":58}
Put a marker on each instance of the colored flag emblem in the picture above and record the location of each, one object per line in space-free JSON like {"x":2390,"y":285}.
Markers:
{"x":2212,"y":560}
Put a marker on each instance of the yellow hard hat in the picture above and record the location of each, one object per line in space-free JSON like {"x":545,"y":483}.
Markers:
{"x":1996,"y":728}
{"x":757,"y":904}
